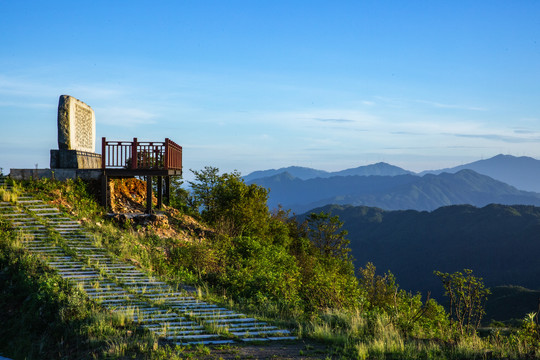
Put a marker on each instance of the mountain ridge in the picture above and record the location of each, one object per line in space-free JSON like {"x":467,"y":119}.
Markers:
{"x":400,"y":192}
{"x":304,"y":173}
{"x":521,"y":172}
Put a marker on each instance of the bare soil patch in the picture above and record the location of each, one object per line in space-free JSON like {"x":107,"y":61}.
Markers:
{"x":294,"y":350}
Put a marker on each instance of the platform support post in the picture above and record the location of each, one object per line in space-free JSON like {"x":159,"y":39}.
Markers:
{"x":148,"y":194}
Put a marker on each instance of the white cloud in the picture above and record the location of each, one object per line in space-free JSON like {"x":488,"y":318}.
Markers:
{"x":96,"y":91}
{"x":124,"y":116}
{"x":451,"y":106}
{"x":410,"y":103}
{"x":20,"y":86}
{"x":27,"y":104}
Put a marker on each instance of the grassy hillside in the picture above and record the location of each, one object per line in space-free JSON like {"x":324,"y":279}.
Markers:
{"x":266,"y":264}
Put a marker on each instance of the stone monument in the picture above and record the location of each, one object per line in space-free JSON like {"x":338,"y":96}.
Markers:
{"x":76,"y":136}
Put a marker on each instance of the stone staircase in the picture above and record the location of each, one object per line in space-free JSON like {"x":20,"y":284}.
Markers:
{"x":175,"y":316}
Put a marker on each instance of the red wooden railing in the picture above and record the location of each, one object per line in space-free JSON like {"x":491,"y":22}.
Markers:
{"x":136,"y":154}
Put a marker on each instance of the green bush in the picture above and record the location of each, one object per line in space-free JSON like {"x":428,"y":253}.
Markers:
{"x":325,"y":286}
{"x":381,"y":294}
{"x":261,"y":272}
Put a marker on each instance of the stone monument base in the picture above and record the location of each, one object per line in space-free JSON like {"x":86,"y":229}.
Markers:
{"x":56,"y":174}
{"x":74,"y":159}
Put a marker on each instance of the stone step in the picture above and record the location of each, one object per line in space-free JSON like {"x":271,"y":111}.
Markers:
{"x":151,"y":319}
{"x":114,"y":301}
{"x":30,"y":227}
{"x":250,"y":328}
{"x":44,"y":248}
{"x":175,"y":295}
{"x":192,"y":305}
{"x":222,"y":321}
{"x":37,"y":209}
{"x":192,"y":337}
{"x":203,"y":315}
{"x":110,"y":293}
{"x":168,"y":334}
{"x":79,"y":274}
{"x":184,"y":325}
{"x":66,"y":226}
{"x":50,"y":250}
{"x":138,"y":307}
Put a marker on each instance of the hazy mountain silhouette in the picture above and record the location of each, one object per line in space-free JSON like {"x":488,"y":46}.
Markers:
{"x":304,"y":173}
{"x":295,"y":171}
{"x":522,"y":172}
{"x":379,"y":169}
{"x":398,"y":192}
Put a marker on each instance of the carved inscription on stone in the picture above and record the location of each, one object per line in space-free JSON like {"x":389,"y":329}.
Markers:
{"x":76,"y":125}
{"x":83,"y":127}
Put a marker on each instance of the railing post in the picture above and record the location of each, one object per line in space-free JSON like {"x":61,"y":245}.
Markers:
{"x":103,"y":150}
{"x":134,"y":153}
{"x":166,"y":158}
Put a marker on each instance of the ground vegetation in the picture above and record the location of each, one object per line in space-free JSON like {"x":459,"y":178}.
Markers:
{"x":293,"y":273}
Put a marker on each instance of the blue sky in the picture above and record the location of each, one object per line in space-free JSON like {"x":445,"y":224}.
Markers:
{"x":252,"y":85}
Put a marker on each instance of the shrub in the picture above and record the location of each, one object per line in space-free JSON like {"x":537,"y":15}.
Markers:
{"x":467,"y":299}
{"x":261,"y":272}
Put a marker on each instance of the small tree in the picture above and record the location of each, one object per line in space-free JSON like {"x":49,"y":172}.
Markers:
{"x":240,"y":209}
{"x":326,"y":234}
{"x":467,"y":299}
{"x":179,"y":197}
{"x":203,"y":187}
{"x":380,"y":291}
{"x":230,"y":205}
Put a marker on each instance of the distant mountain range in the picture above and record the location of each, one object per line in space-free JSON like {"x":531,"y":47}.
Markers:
{"x":392,"y":188}
{"x":521,"y":172}
{"x":303,"y":173}
{"x":499,"y":243}
{"x":400,"y":192}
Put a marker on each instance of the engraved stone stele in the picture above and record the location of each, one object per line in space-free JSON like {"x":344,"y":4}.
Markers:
{"x":76,"y":125}
{"x":76,"y":136}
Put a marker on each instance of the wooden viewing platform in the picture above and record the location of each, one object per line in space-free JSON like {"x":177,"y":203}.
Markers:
{"x":124,"y":159}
